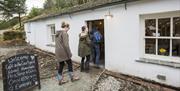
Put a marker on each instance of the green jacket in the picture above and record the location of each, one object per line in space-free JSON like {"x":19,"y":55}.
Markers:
{"x":84,"y":47}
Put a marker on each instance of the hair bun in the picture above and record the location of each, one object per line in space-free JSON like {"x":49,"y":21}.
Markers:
{"x":63,"y":24}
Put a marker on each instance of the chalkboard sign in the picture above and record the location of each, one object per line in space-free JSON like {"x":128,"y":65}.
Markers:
{"x":20,"y":72}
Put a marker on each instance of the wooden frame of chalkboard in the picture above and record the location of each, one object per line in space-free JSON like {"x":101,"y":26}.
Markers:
{"x":20,"y":72}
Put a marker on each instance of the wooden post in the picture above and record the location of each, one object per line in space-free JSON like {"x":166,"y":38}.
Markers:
{"x":37,"y":68}
{"x":4,"y":76}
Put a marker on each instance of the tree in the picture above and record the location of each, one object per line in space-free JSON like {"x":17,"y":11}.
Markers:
{"x":2,"y":5}
{"x":10,"y":8}
{"x":19,"y":8}
{"x":49,"y":4}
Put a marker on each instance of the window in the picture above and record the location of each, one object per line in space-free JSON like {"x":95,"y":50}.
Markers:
{"x":52,"y":32}
{"x":162,"y":36}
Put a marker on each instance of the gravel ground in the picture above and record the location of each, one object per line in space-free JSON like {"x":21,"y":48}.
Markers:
{"x":47,"y":67}
{"x":47,"y":63}
{"x":92,"y":81}
{"x":110,"y":83}
{"x":51,"y":84}
{"x":84,"y":84}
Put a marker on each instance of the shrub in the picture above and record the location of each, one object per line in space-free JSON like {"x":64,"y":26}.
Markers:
{"x":10,"y":35}
{"x":35,"y":12}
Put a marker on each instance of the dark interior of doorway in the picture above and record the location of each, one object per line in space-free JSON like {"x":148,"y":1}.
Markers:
{"x":100,"y":25}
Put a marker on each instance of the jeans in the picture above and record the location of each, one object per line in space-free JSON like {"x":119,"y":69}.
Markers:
{"x":61,"y":66}
{"x":85,"y":65}
{"x":97,"y":53}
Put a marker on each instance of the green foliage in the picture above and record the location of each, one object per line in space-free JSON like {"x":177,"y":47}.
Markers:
{"x":8,"y":23}
{"x":82,"y":1}
{"x":10,"y":7}
{"x":10,"y":35}
{"x":49,"y":4}
{"x":35,"y":12}
{"x":56,"y":5}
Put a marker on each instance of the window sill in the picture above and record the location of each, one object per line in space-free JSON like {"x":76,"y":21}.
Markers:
{"x":50,"y":45}
{"x":159,"y":62}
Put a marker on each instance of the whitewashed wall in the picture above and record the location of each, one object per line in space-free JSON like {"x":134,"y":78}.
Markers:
{"x":123,"y":39}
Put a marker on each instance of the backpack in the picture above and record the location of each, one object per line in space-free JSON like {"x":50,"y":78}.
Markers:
{"x":97,"y":37}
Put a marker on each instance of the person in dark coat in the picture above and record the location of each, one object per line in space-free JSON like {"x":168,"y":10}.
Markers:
{"x":63,"y":53}
{"x":84,"y":49}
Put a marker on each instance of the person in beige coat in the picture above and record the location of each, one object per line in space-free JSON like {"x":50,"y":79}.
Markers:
{"x":63,"y":53}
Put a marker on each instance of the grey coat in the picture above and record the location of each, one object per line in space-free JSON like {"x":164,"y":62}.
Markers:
{"x":62,"y":49}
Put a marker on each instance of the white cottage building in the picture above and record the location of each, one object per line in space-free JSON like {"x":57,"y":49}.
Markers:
{"x":141,"y":37}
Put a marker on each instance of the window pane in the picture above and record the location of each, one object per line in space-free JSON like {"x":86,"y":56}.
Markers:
{"x":52,"y":29}
{"x":163,"y":47}
{"x":53,"y":38}
{"x":176,"y":27}
{"x":164,"y":27}
{"x":150,"y":25}
{"x":150,"y":46}
{"x":176,"y":47}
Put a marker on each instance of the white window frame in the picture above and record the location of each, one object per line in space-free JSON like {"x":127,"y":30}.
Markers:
{"x":157,"y":16}
{"x":50,"y":34}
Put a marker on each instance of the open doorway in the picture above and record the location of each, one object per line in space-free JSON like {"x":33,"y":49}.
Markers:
{"x":100,"y":25}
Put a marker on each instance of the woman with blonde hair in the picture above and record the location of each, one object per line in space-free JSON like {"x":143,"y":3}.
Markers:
{"x":63,"y":53}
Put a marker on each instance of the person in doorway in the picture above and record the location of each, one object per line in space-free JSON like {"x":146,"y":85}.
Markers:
{"x":84,"y":49}
{"x":96,"y":38}
{"x":63,"y":53}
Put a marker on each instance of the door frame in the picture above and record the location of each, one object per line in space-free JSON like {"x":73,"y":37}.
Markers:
{"x":86,"y":22}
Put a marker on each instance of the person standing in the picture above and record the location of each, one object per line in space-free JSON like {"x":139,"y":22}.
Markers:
{"x":63,"y":53}
{"x":96,"y":38}
{"x":84,"y":49}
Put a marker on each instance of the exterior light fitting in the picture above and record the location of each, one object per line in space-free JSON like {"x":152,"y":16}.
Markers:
{"x":109,"y":15}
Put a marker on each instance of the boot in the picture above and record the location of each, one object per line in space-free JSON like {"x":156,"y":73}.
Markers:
{"x":61,"y":80}
{"x":73,"y":77}
{"x":82,"y":66}
{"x":87,"y":67}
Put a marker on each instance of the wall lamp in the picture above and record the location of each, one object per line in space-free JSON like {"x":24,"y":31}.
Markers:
{"x":109,"y":15}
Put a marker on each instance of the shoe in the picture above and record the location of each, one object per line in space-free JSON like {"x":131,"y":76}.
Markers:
{"x":82,"y":70}
{"x":87,"y":71}
{"x":97,"y":67}
{"x":61,"y":82}
{"x":74,"y":78}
